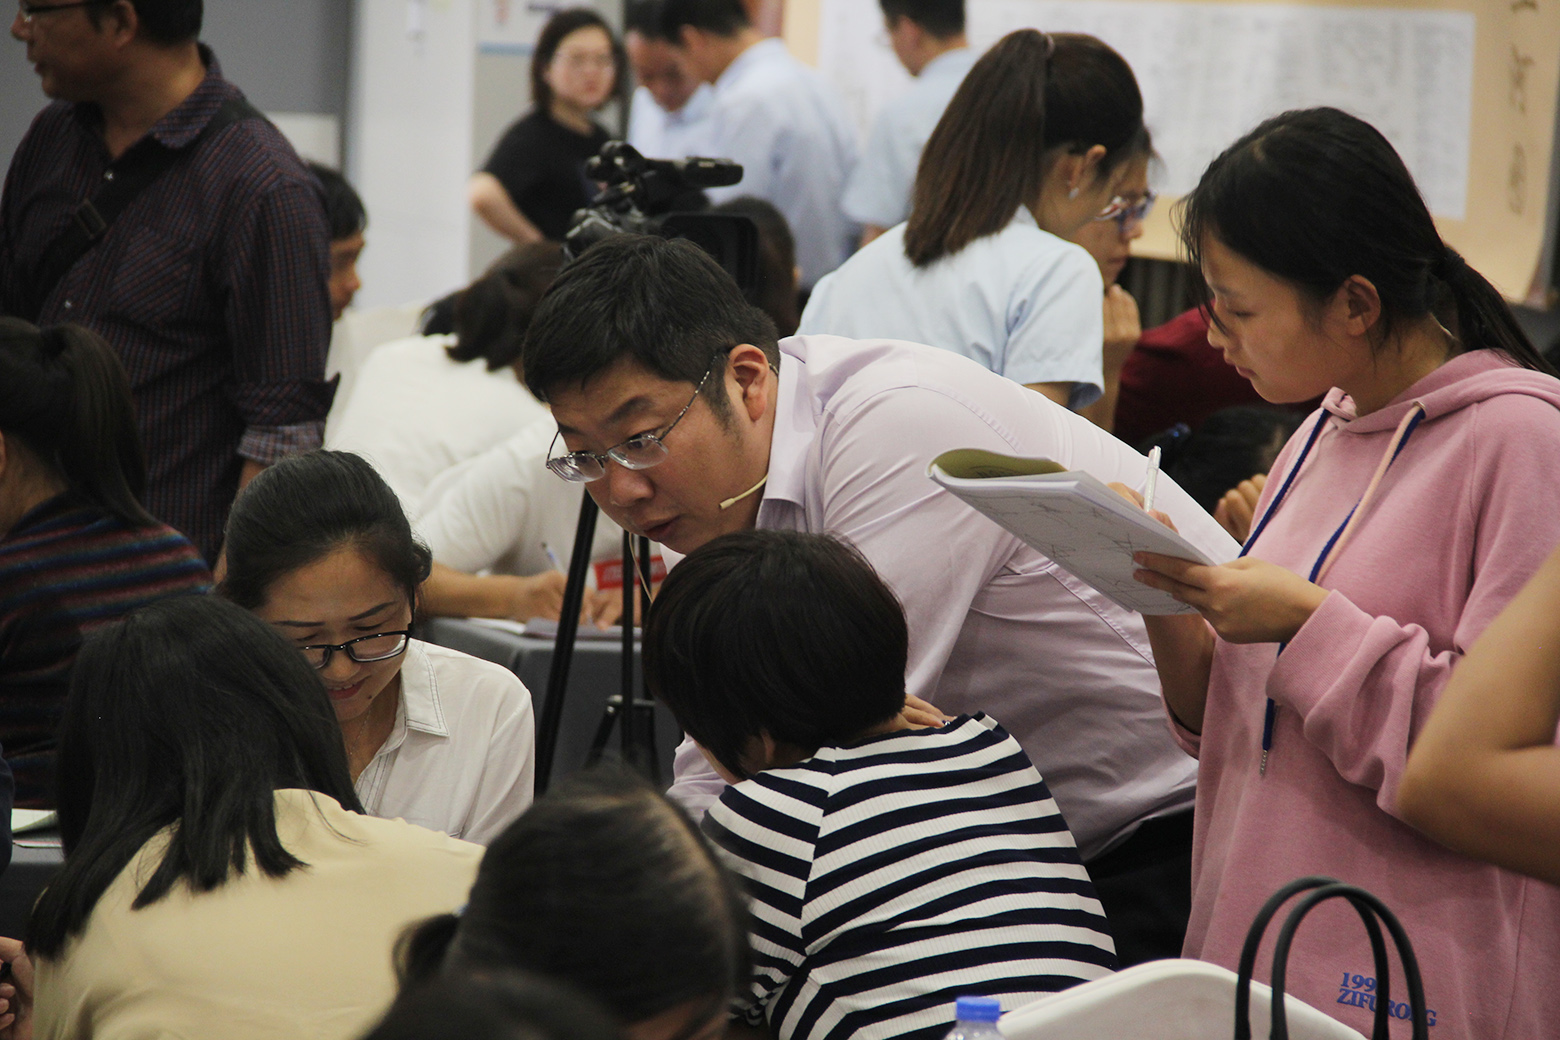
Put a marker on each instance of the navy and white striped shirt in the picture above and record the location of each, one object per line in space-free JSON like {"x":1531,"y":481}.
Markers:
{"x":891,"y":877}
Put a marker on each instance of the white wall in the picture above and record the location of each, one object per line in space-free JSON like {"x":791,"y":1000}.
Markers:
{"x":409,"y":144}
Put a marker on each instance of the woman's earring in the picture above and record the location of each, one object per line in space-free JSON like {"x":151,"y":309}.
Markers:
{"x":1072,"y":193}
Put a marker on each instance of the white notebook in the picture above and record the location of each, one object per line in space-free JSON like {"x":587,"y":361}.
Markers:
{"x":1071,"y":517}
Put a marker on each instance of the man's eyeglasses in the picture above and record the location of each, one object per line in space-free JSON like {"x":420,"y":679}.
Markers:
{"x":641,"y":451}
{"x":1127,"y":212}
{"x":380,"y":646}
{"x":29,"y":9}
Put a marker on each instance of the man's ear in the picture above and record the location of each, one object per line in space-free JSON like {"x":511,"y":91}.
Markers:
{"x":749,"y":367}
{"x":120,"y":22}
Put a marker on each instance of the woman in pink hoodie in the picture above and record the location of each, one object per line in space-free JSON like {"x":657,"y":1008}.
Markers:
{"x":1396,"y":524}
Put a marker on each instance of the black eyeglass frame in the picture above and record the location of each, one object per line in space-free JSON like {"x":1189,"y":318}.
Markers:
{"x":346,"y":648}
{"x":567,"y":467}
{"x":29,"y":10}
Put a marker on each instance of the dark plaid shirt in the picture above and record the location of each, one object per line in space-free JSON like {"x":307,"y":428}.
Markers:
{"x":211,"y":285}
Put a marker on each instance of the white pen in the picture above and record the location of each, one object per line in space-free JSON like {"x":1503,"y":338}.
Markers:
{"x":1153,"y":478}
{"x":552,"y":557}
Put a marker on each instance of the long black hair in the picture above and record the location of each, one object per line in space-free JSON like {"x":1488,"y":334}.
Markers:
{"x":189,"y":714}
{"x":1315,"y":196}
{"x":65,"y":396}
{"x":306,"y":507}
{"x":607,"y":886}
{"x":1031,"y":93}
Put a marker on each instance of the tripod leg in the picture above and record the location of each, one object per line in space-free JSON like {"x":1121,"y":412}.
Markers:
{"x":563,"y":647}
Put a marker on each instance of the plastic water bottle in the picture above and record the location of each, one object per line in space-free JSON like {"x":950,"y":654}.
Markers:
{"x":975,"y":1018}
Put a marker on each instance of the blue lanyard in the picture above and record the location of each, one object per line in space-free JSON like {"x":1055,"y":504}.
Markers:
{"x":1271,"y":711}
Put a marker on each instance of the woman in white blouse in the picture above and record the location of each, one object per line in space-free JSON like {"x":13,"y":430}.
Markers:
{"x":1036,"y":143}
{"x":318,"y":546}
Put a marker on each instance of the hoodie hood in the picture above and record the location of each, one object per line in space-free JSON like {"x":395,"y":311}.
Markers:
{"x":1466,"y":379}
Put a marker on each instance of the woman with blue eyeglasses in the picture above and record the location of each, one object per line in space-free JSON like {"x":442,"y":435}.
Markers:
{"x":318,"y":546}
{"x":1040,"y":140}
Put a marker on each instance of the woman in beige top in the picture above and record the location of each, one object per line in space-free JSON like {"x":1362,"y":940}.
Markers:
{"x":220,"y":878}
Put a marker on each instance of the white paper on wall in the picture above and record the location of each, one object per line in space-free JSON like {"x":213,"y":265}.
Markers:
{"x":1211,"y":71}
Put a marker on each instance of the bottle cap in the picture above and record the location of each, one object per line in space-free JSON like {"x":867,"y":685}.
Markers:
{"x":977,"y":1009}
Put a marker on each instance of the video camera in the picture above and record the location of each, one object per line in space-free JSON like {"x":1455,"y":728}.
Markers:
{"x":665,"y":197}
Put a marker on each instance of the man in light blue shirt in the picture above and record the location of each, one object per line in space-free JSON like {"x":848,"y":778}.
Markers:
{"x":928,"y":39}
{"x":670,"y":114}
{"x":776,"y":117}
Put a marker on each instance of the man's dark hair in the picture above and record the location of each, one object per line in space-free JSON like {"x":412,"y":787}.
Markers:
{"x":187,"y":715}
{"x":162,"y":21}
{"x":607,"y":886}
{"x":719,"y":17}
{"x":664,"y":303}
{"x":779,"y":633}
{"x":493,"y":313}
{"x":344,"y":210}
{"x":941,"y":18}
{"x":644,"y":17}
{"x":495,"y":1005}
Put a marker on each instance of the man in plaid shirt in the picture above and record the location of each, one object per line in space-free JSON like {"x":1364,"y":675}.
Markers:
{"x":212,"y":282}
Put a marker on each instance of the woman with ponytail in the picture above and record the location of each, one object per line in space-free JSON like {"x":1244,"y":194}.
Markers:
{"x":1040,"y":139}
{"x":77,"y":549}
{"x":1397,"y":522}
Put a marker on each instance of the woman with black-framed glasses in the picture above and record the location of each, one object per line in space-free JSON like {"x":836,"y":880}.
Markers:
{"x":318,"y":546}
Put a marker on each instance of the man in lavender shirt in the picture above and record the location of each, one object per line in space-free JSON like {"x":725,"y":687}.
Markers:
{"x":688,"y":420}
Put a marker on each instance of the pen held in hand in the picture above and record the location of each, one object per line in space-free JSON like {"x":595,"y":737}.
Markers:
{"x":1153,"y":479}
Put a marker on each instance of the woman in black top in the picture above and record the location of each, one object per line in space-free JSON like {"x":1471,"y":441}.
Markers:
{"x":535,"y":179}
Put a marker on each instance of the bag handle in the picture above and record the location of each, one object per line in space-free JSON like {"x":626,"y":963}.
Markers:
{"x":1370,"y":908}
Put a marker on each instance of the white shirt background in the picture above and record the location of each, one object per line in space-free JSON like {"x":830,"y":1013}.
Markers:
{"x":500,"y":511}
{"x":659,"y":134}
{"x":788,"y":129}
{"x":994,"y":626}
{"x":462,"y":756}
{"x":879,"y":189}
{"x":414,"y":413}
{"x":1022,"y":302}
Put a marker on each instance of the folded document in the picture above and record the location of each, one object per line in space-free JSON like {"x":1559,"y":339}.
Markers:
{"x":1071,"y":517}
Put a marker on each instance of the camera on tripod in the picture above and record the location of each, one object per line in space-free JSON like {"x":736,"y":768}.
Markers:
{"x":665,"y":197}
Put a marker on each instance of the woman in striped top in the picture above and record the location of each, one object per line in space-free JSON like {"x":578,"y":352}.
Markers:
{"x":77,"y":549}
{"x":892,"y":867}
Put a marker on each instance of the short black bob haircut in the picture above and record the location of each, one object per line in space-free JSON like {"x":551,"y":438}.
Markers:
{"x":663,"y":303}
{"x":1314,"y":196}
{"x":717,"y":17}
{"x":495,"y":1005}
{"x":306,"y":507}
{"x":189,"y":713}
{"x":776,"y":632}
{"x":344,"y":210}
{"x":164,"y":22}
{"x":942,"y":18}
{"x":607,"y":886}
